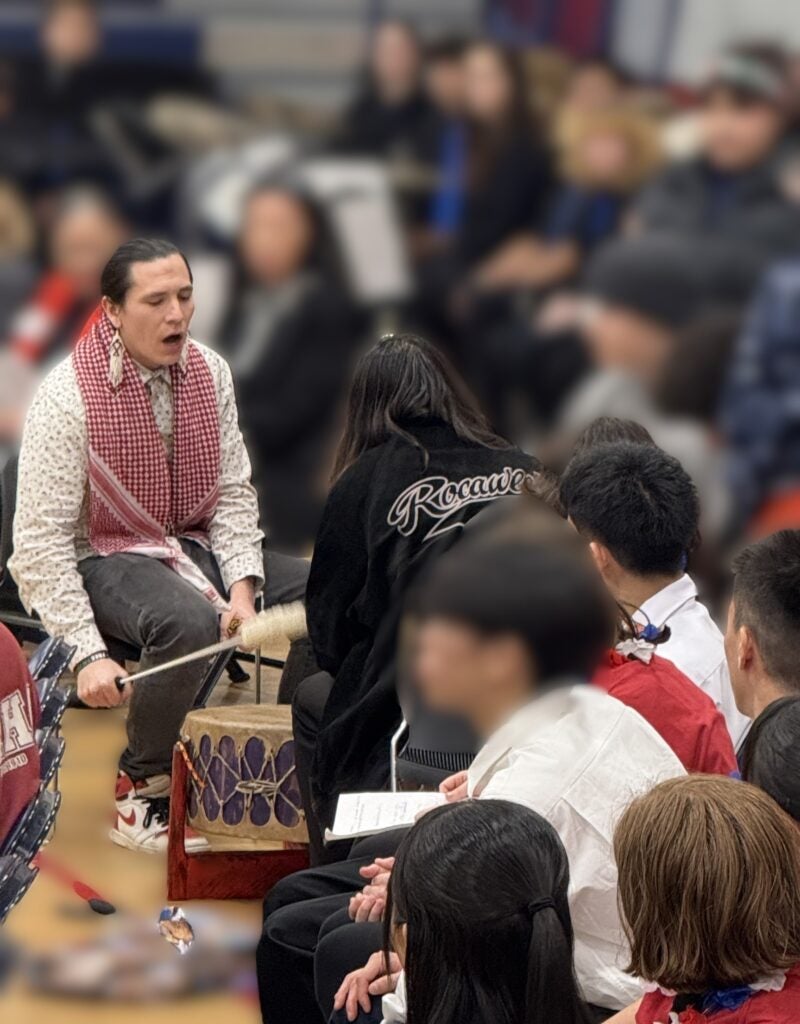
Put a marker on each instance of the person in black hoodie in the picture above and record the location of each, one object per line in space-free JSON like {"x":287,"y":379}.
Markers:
{"x":417,"y":461}
{"x":291,"y":336}
{"x":390,"y":112}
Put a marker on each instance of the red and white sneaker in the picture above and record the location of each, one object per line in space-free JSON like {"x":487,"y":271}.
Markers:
{"x":142,"y":816}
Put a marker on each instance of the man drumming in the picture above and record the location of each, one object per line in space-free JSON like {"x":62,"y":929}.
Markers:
{"x":136,"y":520}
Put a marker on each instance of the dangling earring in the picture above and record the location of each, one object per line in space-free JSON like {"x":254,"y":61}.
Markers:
{"x":115,"y":360}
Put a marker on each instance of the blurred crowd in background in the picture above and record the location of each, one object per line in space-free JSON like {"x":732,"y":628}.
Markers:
{"x":587,"y":220}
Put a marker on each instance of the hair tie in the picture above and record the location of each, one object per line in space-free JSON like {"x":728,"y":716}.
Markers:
{"x":545,"y":903}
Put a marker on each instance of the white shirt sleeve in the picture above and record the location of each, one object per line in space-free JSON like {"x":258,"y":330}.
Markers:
{"x":51,"y":492}
{"x":394,"y":1004}
{"x":234,"y":532}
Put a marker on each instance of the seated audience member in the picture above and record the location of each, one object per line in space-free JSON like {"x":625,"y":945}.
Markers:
{"x":594,"y":85}
{"x":436,"y":211}
{"x":478,"y":890}
{"x":416,"y":462}
{"x":712,"y":907}
{"x":677,"y":709}
{"x":507,"y":635}
{"x":136,"y":522}
{"x":290,"y":337}
{"x":639,"y":360}
{"x":771,"y":756}
{"x":639,"y":510}
{"x":632,"y":672}
{"x":605,"y":156}
{"x":60,"y":88}
{"x":84,"y":231}
{"x":610,"y":430}
{"x":508,"y":172}
{"x":18,"y":243}
{"x":638,"y":295}
{"x":390,"y":112}
{"x":507,"y":175}
{"x":19,"y":718}
{"x":728,"y":208}
{"x":760,"y":410}
{"x":763,"y":629}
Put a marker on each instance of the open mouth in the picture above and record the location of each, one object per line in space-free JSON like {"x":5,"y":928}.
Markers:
{"x":173,"y":339}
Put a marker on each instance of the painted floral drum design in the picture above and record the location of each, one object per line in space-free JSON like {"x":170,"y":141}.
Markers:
{"x":243,"y":790}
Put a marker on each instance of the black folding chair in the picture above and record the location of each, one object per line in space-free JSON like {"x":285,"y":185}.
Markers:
{"x":428,"y":746}
{"x":33,"y":826}
{"x":16,"y":878}
{"x":51,"y":754}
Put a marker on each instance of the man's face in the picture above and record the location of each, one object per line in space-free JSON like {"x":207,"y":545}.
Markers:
{"x":154,"y":318}
{"x":738,"y":136}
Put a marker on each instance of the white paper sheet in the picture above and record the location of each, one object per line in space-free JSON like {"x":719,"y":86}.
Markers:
{"x":366,"y":814}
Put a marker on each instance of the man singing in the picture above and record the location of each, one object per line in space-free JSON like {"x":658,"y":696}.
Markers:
{"x":136,"y":520}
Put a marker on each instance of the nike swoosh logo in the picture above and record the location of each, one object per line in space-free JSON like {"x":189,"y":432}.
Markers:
{"x":129,"y":819}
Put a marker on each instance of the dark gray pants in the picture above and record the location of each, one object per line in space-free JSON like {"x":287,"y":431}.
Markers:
{"x":142,"y":602}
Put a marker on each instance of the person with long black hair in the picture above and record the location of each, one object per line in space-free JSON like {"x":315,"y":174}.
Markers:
{"x":479,"y":891}
{"x":416,"y":462}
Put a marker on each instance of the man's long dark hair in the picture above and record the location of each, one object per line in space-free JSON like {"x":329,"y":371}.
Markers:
{"x":482,"y":889}
{"x":404,"y":378}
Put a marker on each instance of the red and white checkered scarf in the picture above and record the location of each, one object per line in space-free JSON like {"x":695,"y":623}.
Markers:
{"x":138,"y":502}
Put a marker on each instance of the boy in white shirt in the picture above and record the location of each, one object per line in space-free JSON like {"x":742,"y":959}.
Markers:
{"x":639,"y":510}
{"x":508,"y":634}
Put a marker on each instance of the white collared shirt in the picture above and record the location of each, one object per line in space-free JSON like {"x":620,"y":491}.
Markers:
{"x":578,"y":757}
{"x":696,"y":647}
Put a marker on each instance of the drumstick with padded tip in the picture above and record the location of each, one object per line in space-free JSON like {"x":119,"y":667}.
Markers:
{"x":282,"y":620}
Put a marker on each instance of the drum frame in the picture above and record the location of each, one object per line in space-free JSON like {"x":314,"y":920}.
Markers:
{"x":220,"y":876}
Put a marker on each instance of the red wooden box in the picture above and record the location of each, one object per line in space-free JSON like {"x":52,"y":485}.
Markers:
{"x":219,"y":876}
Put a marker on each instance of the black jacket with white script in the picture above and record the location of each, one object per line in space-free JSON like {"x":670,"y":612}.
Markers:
{"x":386,"y":517}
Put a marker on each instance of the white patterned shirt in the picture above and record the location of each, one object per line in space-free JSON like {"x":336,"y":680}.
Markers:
{"x":51,"y":526}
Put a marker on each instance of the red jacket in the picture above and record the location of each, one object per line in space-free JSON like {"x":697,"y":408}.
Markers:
{"x":761,"y":1008}
{"x":676,"y":708}
{"x":19,"y":717}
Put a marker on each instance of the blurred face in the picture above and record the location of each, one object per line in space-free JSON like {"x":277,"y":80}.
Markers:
{"x":622,"y":340}
{"x":153,"y":320}
{"x":276,"y":237}
{"x":394,"y":60}
{"x":82,"y":243}
{"x":71,"y":34}
{"x":592,"y":88}
{"x":605,"y":155}
{"x":487,"y":87}
{"x":736,"y":136}
{"x":444,"y":82}
{"x":461,"y":671}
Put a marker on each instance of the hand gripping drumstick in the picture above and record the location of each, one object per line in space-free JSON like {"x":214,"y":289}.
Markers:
{"x":282,"y":620}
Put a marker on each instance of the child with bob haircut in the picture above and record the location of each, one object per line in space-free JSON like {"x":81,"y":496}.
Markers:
{"x":709,"y":885}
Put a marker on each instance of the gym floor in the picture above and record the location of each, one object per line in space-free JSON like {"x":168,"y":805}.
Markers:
{"x":51,"y":916}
